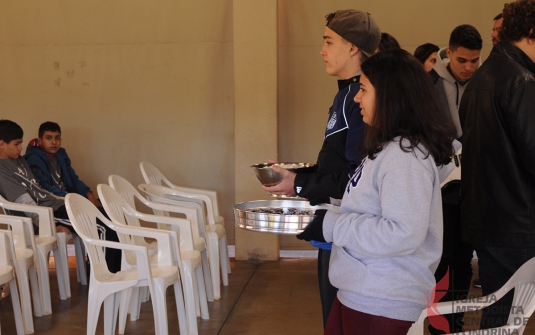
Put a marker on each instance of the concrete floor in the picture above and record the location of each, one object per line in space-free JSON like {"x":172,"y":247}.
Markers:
{"x":262,"y":298}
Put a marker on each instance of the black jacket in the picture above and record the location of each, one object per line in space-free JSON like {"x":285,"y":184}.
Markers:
{"x":497,"y":115}
{"x":340,"y":154}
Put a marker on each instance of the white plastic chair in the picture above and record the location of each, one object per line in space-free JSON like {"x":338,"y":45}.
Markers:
{"x":106,"y":287}
{"x":152,"y":175}
{"x":216,"y":238}
{"x":215,"y":234}
{"x":21,"y":236}
{"x":129,"y":193}
{"x":188,"y":259}
{"x":523,"y":282}
{"x":7,"y":276}
{"x":46,"y":242}
{"x":456,"y":173}
{"x":208,"y":199}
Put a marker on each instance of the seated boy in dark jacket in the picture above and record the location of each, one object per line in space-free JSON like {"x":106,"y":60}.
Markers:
{"x":52,"y":168}
{"x":51,"y":165}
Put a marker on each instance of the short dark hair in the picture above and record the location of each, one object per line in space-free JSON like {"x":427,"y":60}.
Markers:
{"x":424,"y":51}
{"x":48,"y":126}
{"x":497,"y":17}
{"x":388,"y":42}
{"x":10,"y":131}
{"x":406,"y":105}
{"x":518,"y":21}
{"x":465,"y":36}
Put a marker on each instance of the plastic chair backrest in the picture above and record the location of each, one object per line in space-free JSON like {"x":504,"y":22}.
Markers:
{"x":523,"y":281}
{"x":127,"y":190}
{"x":117,"y":208}
{"x":7,"y":253}
{"x":22,"y":230}
{"x":166,"y":195}
{"x":47,"y":226}
{"x":84,"y":221}
{"x":208,"y":199}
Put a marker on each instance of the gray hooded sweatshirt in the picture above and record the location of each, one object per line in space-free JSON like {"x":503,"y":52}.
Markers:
{"x":387,"y":238}
{"x":448,"y":89}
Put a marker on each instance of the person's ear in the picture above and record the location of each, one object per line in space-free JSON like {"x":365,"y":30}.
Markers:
{"x":353,"y":50}
{"x":39,"y":141}
{"x":449,"y":52}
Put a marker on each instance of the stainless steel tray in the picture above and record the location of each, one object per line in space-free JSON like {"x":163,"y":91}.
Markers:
{"x":285,"y":224}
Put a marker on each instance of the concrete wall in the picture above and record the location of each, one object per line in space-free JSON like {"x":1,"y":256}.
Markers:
{"x":306,"y":91}
{"x":132,"y":80}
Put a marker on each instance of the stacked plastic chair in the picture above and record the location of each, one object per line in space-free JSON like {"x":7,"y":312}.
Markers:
{"x":215,"y":233}
{"x":187,"y":259}
{"x":46,"y":242}
{"x":129,"y":193}
{"x":7,"y":277}
{"x":106,"y":287}
{"x":21,"y":236}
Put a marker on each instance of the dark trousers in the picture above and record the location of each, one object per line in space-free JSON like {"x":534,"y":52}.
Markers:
{"x":496,"y":266}
{"x":456,"y":258}
{"x":327,"y":291}
{"x":346,"y":321}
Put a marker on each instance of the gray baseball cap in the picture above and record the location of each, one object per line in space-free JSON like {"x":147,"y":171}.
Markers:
{"x":358,"y":28}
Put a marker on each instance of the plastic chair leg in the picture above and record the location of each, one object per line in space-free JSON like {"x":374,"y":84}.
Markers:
{"x":212,"y":245}
{"x":60,"y":272}
{"x":144,"y":294}
{"x":189,"y":294}
{"x":181,"y":312}
{"x":207,"y":276}
{"x":81,"y":269}
{"x":135,"y":303}
{"x":201,"y":288}
{"x":44,"y":280}
{"x":126,"y":295}
{"x":36,"y":296}
{"x":25,"y":296}
{"x":159,"y":307}
{"x":62,"y":266}
{"x":16,"y":308}
{"x":223,"y":259}
{"x":111,"y":308}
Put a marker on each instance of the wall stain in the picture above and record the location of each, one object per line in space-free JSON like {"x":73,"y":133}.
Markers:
{"x":70,"y":73}
{"x":56,"y":66}
{"x":57,"y":82}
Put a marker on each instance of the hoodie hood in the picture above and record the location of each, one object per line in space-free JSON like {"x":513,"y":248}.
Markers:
{"x":441,"y":66}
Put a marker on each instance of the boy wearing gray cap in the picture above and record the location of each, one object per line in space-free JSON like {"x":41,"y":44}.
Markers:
{"x":350,"y":37}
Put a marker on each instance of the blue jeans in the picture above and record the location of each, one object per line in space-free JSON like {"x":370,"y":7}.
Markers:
{"x":496,"y":266}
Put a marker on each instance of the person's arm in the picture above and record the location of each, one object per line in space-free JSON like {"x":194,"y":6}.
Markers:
{"x":80,"y":187}
{"x":91,"y":197}
{"x":521,"y":122}
{"x":27,"y":200}
{"x":401,"y":228}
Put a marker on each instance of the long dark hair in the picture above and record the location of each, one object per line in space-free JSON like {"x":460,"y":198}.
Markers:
{"x":406,"y":105}
{"x":424,"y":51}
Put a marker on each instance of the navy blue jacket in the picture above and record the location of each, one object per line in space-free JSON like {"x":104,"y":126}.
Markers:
{"x":40,"y":166}
{"x":340,"y":154}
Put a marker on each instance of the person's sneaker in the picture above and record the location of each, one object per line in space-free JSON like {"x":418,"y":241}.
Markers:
{"x":477,"y":282}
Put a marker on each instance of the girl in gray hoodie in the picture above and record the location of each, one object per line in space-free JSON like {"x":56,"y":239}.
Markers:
{"x":387,"y":238}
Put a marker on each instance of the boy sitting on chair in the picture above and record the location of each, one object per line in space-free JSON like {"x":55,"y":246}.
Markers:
{"x":51,"y":165}
{"x":19,"y":185}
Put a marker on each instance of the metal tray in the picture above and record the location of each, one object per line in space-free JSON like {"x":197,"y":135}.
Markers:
{"x":285,"y":224}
